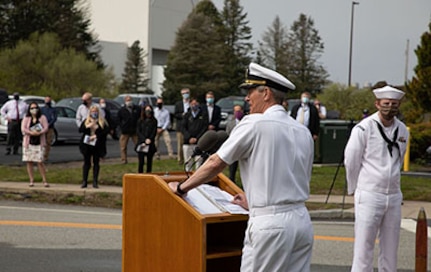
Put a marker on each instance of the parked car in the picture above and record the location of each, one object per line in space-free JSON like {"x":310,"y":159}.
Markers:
{"x":40,"y":100}
{"x":138,"y":99}
{"x":226,"y":104}
{"x":111,"y":105}
{"x":65,"y":127}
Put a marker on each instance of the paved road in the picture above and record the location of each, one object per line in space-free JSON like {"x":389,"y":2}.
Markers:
{"x":73,"y":238}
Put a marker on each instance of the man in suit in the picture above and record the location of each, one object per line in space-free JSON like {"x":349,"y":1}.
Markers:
{"x":213,"y":111}
{"x":307,"y":114}
{"x":181,"y":108}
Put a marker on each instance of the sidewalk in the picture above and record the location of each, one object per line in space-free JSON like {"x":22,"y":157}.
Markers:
{"x":410,"y":209}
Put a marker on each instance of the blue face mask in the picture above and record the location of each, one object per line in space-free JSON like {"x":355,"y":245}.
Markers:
{"x":186,"y":95}
{"x":210,"y":100}
{"x":305,"y":100}
{"x":94,"y":115}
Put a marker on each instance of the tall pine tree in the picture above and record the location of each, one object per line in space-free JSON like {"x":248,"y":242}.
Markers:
{"x":134,"y":80}
{"x":68,"y":19}
{"x":198,"y":58}
{"x":237,"y":36}
{"x":304,"y":49}
{"x":272,"y":49}
{"x":419,"y":88}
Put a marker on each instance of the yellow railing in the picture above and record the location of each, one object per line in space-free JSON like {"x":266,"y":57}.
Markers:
{"x":406,"y":166}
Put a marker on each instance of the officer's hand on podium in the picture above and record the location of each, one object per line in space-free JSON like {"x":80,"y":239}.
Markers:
{"x":240,"y":200}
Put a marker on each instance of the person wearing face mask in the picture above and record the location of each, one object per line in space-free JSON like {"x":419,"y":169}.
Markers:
{"x":212,"y":111}
{"x":108,"y":117}
{"x":84,"y":108}
{"x":146,"y":130}
{"x":93,"y":144}
{"x":51,"y":115}
{"x":163,"y":122}
{"x":34,"y":127}
{"x":307,"y":114}
{"x":238,"y":114}
{"x":13,"y":111}
{"x":195,"y":124}
{"x":373,"y":158}
{"x":128,"y":117}
{"x":181,"y":108}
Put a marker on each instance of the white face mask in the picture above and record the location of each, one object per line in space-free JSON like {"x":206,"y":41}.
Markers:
{"x":102,"y":105}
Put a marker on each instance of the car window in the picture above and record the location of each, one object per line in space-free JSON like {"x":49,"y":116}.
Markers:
{"x":60,"y":112}
{"x":70,"y":113}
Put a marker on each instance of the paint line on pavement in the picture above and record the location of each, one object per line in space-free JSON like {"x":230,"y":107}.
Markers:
{"x":59,"y":225}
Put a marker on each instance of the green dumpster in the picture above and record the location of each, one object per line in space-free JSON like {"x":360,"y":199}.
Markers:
{"x":333,"y":136}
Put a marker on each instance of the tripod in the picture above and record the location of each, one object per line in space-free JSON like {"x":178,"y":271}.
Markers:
{"x":333,"y":182}
{"x":349,"y":130}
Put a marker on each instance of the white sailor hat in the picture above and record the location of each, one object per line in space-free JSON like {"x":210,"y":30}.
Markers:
{"x":388,"y":92}
{"x":257,"y":75}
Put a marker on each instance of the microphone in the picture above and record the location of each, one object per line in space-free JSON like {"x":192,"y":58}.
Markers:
{"x":205,"y":143}
{"x":221,"y":138}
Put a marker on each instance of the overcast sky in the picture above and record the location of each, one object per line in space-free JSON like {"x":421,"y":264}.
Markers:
{"x":381,"y":31}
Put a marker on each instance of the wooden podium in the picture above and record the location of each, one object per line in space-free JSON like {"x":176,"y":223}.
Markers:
{"x":162,"y":232}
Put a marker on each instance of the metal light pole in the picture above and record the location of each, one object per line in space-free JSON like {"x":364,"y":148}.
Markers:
{"x":351,"y":43}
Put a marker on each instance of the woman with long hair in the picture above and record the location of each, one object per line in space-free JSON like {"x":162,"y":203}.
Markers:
{"x":93,"y":143}
{"x":146,"y":131}
{"x":34,"y":127}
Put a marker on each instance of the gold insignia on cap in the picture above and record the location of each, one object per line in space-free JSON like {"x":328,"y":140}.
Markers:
{"x":257,"y":82}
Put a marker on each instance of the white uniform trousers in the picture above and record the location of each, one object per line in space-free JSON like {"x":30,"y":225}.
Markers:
{"x":376,"y":214}
{"x":278,"y":239}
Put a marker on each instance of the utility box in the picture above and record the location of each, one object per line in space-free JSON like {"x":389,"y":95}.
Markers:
{"x":333,"y":136}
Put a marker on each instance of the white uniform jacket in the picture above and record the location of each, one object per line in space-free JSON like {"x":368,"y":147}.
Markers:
{"x":275,"y":155}
{"x":368,"y":162}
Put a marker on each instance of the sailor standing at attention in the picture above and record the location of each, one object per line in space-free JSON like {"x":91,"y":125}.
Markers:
{"x":373,"y":158}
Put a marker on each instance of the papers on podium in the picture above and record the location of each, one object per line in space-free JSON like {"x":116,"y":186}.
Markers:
{"x":208,"y":199}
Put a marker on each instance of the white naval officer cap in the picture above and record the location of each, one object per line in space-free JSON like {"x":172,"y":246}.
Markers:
{"x":257,"y":75}
{"x":388,"y":92}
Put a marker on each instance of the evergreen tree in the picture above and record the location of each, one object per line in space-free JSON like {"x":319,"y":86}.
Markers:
{"x":272,"y":49}
{"x":67,"y":18}
{"x":198,"y":58}
{"x":133,"y":76}
{"x":304,"y":49}
{"x":419,"y":88}
{"x":238,"y":35}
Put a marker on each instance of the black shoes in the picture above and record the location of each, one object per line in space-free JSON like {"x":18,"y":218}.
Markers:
{"x":95,"y":186}
{"x":84,"y":185}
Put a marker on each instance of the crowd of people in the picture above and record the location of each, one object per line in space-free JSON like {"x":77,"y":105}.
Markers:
{"x":274,"y":149}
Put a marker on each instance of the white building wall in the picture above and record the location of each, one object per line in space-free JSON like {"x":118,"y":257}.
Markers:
{"x":153,"y":22}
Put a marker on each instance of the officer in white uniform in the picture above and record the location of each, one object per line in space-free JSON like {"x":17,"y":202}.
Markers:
{"x":373,"y":158}
{"x":275,"y":154}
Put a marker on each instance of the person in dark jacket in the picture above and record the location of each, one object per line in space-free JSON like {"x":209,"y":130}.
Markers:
{"x":195,"y":124}
{"x":51,"y":115}
{"x":128,"y":117}
{"x":307,"y":114}
{"x":212,"y":111}
{"x":146,"y":130}
{"x":93,"y":143}
{"x":181,"y":108}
